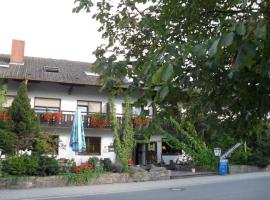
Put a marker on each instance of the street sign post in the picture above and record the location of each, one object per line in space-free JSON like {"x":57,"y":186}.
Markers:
{"x":217,"y":151}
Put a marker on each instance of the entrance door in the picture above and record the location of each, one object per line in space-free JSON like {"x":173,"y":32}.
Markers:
{"x":151,"y":152}
{"x":140,"y":154}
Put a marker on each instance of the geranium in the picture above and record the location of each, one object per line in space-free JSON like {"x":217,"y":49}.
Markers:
{"x":47,"y":116}
{"x":4,"y":116}
{"x":84,"y":167}
{"x":137,"y":121}
{"x":99,"y":121}
{"x":57,"y":116}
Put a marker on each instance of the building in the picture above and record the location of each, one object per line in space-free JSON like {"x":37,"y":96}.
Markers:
{"x":56,"y":88}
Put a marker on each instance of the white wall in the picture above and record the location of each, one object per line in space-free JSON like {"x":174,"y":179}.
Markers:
{"x":158,"y":139}
{"x":64,"y":150}
{"x":69,"y":103}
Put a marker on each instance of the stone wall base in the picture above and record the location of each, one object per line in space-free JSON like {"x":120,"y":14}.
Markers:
{"x":61,"y":181}
{"x":236,"y":169}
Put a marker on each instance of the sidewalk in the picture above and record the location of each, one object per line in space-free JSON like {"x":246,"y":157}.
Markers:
{"x":54,"y":193}
{"x":186,"y":174}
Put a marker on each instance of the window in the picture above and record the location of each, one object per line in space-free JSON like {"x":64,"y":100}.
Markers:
{"x":90,"y":73}
{"x":51,"y":69}
{"x":93,"y":146}
{"x":90,"y":106}
{"x":47,"y":105}
{"x":168,"y":150}
{"x":8,"y":102}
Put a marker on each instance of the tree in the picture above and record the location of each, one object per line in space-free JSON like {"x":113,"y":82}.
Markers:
{"x":184,"y":136}
{"x":123,"y":136}
{"x":44,"y":143}
{"x":211,"y":51}
{"x":23,"y":120}
{"x":210,"y":58}
{"x":3,"y":93}
{"x":7,"y":138}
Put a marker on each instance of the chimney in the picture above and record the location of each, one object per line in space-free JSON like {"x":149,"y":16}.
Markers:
{"x":17,"y":52}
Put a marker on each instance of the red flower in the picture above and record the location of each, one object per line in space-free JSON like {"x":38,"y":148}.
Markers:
{"x":137,"y":121}
{"x":99,"y":121}
{"x":4,"y":116}
{"x":57,"y":116}
{"x":47,"y":116}
{"x":84,"y":167}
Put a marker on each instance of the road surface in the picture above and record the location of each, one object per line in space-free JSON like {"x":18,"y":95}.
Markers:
{"x":253,"y":186}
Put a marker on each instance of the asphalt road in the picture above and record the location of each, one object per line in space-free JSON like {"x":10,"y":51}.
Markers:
{"x":255,"y":186}
{"x":258,"y":189}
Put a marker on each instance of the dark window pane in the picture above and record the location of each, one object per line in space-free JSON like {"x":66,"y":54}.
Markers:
{"x":168,"y":150}
{"x":93,"y":146}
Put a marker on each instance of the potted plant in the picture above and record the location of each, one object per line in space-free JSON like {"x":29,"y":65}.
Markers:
{"x":99,"y":120}
{"x":141,"y":121}
{"x":57,"y":117}
{"x":47,"y":116}
{"x":4,"y":116}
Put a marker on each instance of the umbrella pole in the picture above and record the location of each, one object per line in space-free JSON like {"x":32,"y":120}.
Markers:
{"x":76,"y":155}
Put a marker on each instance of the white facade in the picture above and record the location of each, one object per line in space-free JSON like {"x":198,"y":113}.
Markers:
{"x":69,"y":95}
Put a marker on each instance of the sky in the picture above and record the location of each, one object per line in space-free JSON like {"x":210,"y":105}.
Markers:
{"x":49,"y":29}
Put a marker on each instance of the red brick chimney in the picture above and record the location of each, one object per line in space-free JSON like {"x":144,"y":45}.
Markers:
{"x":17,"y":52}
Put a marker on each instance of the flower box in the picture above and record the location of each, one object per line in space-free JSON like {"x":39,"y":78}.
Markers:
{"x":4,"y":116}
{"x":99,"y":121}
{"x":138,"y":121}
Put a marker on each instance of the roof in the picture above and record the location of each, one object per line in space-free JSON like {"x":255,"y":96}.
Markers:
{"x":70,"y":72}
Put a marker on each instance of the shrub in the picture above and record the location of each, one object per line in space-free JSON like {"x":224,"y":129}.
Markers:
{"x":44,"y":143}
{"x":261,"y":156}
{"x":22,"y":165}
{"x":117,"y":167}
{"x":65,"y":165}
{"x":22,"y":119}
{"x":96,"y":163}
{"x":8,"y":139}
{"x":107,"y":164}
{"x":240,"y":156}
{"x":48,"y":166}
{"x":79,"y":178}
{"x":1,"y":168}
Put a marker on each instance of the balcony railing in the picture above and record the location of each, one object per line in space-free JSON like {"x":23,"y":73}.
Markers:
{"x":90,"y":120}
{"x":65,"y":119}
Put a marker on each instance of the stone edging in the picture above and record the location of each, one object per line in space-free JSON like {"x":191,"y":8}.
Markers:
{"x":61,"y":181}
{"x":236,"y":169}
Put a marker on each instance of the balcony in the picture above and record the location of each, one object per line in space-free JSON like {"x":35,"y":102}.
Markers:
{"x":91,"y":120}
{"x":65,"y":119}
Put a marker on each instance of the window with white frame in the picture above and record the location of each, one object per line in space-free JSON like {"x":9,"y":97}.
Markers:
{"x":47,"y":104}
{"x":8,"y":101}
{"x":90,"y":106}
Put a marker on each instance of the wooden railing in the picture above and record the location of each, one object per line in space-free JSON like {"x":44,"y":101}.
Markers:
{"x":90,"y":120}
{"x":65,"y":119}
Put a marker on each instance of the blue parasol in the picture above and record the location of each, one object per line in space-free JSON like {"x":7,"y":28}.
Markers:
{"x":77,"y":138}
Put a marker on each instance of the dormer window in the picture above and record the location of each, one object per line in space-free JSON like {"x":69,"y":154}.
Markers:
{"x":4,"y":65}
{"x":51,"y":69}
{"x":90,"y":73}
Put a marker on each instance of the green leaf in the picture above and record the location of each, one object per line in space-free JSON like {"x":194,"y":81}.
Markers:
{"x":199,"y":50}
{"x":240,"y":29}
{"x":227,"y":39}
{"x":230,"y":75}
{"x":261,"y":31}
{"x":156,"y":78}
{"x":163,"y":92}
{"x":240,"y":59}
{"x":168,"y":72}
{"x":213,"y":48}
